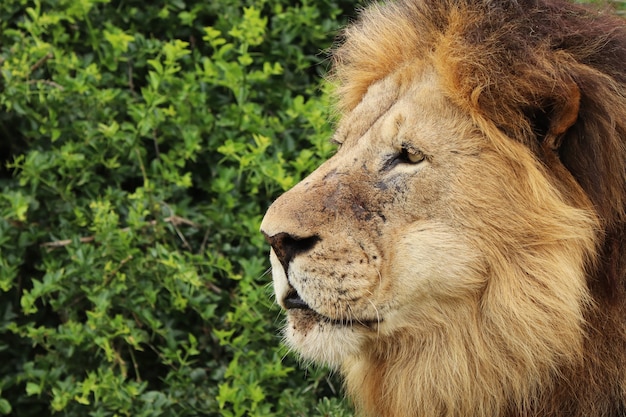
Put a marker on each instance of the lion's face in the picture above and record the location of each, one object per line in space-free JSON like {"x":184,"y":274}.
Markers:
{"x":424,"y":239}
{"x":383,"y":236}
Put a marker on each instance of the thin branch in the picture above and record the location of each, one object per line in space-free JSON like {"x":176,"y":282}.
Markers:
{"x":131,"y":84}
{"x":110,"y":275}
{"x":177,"y":220}
{"x":214,"y":288}
{"x":174,"y":220}
{"x":155,"y":141}
{"x":47,"y":82}
{"x":176,"y":229}
{"x":205,"y":239}
{"x":135,"y":365}
{"x":142,"y":167}
{"x":61,"y":243}
{"x":41,"y":61}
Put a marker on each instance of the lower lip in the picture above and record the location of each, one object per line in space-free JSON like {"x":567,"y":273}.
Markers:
{"x":312,"y":314}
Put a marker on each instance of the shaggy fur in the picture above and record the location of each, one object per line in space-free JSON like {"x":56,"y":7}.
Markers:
{"x":488,"y":278}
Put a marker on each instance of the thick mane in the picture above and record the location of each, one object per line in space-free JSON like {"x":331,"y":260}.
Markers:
{"x":552,"y":76}
{"x":517,"y":64}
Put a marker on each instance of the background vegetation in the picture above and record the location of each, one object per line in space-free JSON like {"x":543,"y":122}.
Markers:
{"x":140,"y":144}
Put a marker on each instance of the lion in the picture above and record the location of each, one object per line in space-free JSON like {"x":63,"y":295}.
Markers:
{"x":464,"y":251}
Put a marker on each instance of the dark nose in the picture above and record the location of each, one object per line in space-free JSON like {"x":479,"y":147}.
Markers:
{"x":287,"y":246}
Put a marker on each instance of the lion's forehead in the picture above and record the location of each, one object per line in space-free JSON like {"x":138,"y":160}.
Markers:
{"x":406,"y":106}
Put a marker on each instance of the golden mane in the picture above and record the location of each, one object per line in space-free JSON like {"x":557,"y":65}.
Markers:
{"x":552,"y":76}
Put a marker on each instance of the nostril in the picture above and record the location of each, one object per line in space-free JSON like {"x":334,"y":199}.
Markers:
{"x":299,"y":245}
{"x":287,"y":246}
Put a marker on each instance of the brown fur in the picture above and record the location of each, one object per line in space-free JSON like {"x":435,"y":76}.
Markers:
{"x":488,"y":279}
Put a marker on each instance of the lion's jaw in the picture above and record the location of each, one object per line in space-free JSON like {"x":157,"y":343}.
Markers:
{"x":411,"y":275}
{"x":340,"y":326}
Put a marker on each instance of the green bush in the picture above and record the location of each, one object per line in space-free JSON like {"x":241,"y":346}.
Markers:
{"x":140,"y":144}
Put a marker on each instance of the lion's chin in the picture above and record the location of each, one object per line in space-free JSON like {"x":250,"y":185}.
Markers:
{"x":322,"y":340}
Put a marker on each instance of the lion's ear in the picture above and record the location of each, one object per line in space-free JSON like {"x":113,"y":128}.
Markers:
{"x":562,"y":116}
{"x":585,"y":130}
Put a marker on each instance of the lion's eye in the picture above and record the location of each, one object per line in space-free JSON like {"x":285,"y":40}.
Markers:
{"x":411,"y":155}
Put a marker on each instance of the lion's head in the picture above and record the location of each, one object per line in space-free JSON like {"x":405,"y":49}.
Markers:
{"x":461,"y":254}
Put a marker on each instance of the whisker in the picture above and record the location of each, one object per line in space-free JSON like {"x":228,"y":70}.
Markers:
{"x":279,"y":315}
{"x":267,"y":271}
{"x":380,"y":278}
{"x":349,"y":314}
{"x":377,"y":317}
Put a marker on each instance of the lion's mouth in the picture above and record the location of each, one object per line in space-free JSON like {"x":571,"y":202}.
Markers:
{"x":293,"y":301}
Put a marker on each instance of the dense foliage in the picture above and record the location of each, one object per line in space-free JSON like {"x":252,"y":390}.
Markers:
{"x":140,"y":144}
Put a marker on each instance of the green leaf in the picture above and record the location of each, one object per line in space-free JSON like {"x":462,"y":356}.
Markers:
{"x":5,"y":407}
{"x":33,"y":389}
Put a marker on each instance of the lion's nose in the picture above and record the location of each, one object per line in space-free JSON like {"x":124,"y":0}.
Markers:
{"x":287,"y":246}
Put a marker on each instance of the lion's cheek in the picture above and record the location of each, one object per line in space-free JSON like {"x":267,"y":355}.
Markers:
{"x":432,"y":263}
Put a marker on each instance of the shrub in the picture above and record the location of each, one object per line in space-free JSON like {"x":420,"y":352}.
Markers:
{"x":141,"y":144}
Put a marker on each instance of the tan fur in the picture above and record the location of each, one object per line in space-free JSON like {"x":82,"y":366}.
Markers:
{"x":484,"y":275}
